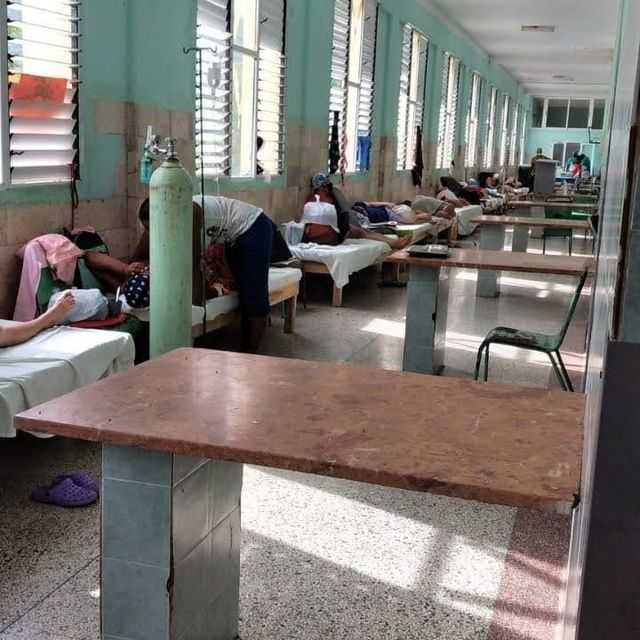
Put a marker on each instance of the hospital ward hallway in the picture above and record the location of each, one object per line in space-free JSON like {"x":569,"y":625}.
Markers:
{"x":326,"y":558}
{"x":319,"y":319}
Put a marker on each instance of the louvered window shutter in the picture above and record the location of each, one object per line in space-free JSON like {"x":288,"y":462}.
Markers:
{"x":491,"y":126}
{"x":43,"y":51}
{"x":442,"y":125}
{"x":452,"y":108}
{"x":271,"y":85}
{"x":403,"y":100}
{"x":523,"y":137}
{"x":504,"y":136}
{"x":448,"y":109}
{"x":367,"y":78}
{"x":213,"y":104}
{"x":339,"y":61}
{"x":472,"y":121}
{"x":513,"y":150}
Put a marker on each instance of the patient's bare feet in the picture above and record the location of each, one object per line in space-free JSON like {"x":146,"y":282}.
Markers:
{"x":60,"y":309}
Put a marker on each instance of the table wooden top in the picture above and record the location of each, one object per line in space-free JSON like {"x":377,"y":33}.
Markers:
{"x":500,"y":261}
{"x":490,"y":442}
{"x":549,"y":223}
{"x":578,"y":206}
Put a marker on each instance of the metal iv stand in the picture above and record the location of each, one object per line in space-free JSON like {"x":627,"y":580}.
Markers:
{"x":199,"y":51}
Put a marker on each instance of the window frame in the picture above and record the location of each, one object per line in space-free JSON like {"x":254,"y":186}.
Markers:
{"x":355,"y":83}
{"x":592,"y":102}
{"x":232,"y":49}
{"x":414,"y":109}
{"x":448,"y":124}
{"x":473,"y":123}
{"x":6,"y":182}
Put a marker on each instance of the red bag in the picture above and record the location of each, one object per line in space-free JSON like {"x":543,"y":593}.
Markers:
{"x":218,"y":276}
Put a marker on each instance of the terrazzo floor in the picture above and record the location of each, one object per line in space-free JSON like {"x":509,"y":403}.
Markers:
{"x":324,"y":558}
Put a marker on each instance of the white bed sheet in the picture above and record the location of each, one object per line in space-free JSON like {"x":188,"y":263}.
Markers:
{"x":54,"y":363}
{"x":347,"y":258}
{"x":465,"y":215}
{"x":278,"y":279}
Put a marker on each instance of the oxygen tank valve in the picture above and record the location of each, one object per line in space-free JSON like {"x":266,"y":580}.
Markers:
{"x":153,"y":151}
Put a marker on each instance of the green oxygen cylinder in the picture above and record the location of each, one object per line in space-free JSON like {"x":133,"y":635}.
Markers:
{"x":171,"y":257}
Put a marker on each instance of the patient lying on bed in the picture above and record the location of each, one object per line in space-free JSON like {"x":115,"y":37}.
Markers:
{"x":23,"y":331}
{"x":349,"y":222}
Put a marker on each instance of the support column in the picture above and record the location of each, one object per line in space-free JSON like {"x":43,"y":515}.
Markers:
{"x":491,"y":238}
{"x":170,"y":546}
{"x":537,"y":212}
{"x":520,"y":240}
{"x":426,"y":324}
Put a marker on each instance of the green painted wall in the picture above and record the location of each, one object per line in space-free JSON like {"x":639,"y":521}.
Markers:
{"x":546,"y":138}
{"x":132,"y":51}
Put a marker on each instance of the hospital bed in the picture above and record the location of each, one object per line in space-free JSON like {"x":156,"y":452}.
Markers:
{"x":284,"y":286}
{"x":340,"y":261}
{"x":54,"y":363}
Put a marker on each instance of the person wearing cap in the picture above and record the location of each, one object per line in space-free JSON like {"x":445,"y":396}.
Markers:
{"x":350,"y":221}
{"x":539,"y":156}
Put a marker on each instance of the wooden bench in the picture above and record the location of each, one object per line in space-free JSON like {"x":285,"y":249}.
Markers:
{"x":177,"y":430}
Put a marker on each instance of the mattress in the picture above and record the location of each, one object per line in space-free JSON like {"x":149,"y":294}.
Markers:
{"x":347,"y":258}
{"x":278,"y":279}
{"x":54,"y":363}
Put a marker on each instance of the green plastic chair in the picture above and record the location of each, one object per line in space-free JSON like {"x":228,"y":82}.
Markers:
{"x":534,"y":341}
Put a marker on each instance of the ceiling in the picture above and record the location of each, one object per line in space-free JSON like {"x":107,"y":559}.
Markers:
{"x":580,"y":50}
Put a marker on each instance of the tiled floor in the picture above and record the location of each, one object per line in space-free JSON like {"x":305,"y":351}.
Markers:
{"x":327,"y":559}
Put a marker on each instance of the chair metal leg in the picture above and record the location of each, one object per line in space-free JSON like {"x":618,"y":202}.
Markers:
{"x":559,"y":375}
{"x":478,"y":362}
{"x":486,"y":363}
{"x":570,"y":242}
{"x":544,"y":242}
{"x":564,"y":371}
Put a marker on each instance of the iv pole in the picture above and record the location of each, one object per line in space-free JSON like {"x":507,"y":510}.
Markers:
{"x":199,"y":51}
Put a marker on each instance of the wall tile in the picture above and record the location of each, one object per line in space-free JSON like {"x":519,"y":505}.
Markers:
{"x":26,"y":223}
{"x":181,"y":125}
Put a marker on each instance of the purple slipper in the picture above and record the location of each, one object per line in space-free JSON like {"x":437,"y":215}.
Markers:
{"x":81,"y":478}
{"x":65,"y":494}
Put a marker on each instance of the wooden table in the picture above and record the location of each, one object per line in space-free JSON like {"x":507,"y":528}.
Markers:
{"x":428,"y":294}
{"x":492,"y":235}
{"x":176,"y":432}
{"x":536,"y":209}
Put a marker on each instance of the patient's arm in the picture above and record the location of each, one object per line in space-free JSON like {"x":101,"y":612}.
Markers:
{"x":15,"y":334}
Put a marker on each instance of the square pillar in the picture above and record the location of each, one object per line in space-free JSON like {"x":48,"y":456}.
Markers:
{"x":426,"y":323}
{"x":170,"y":546}
{"x":491,"y":238}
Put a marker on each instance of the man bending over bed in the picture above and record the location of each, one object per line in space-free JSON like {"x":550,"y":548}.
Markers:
{"x":19,"y":332}
{"x":246,"y":233}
